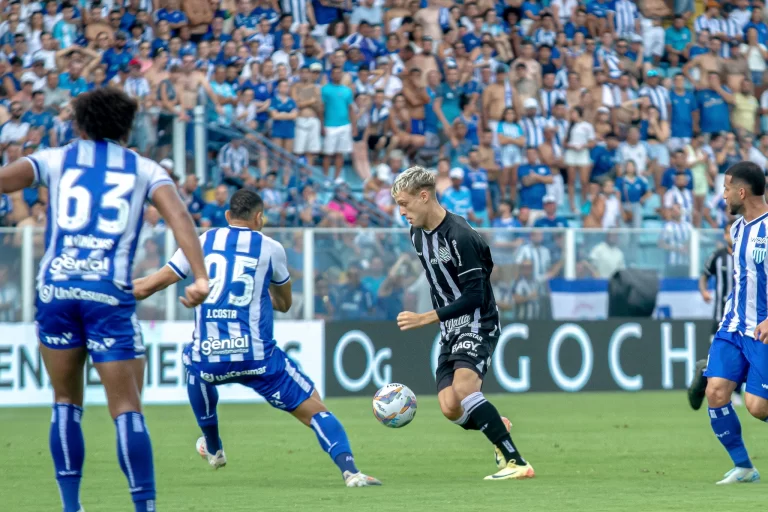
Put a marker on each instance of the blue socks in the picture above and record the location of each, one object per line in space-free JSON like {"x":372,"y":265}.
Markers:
{"x":727,"y":428}
{"x":204,"y":398}
{"x":68,"y":451}
{"x":332,"y":438}
{"x":134,"y":451}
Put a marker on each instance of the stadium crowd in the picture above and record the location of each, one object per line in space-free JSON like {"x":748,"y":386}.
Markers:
{"x":596,"y":114}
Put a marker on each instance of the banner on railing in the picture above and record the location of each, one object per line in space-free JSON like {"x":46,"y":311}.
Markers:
{"x":360,"y":357}
{"x":23,"y":380}
{"x":587,"y":299}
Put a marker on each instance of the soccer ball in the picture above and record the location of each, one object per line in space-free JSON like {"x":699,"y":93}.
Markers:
{"x":394,"y":405}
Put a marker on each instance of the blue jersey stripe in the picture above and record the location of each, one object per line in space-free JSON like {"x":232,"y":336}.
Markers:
{"x":266,"y":320}
{"x":741,"y":310}
{"x":762,"y":281}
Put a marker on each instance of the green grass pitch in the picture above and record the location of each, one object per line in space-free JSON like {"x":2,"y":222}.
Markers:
{"x":592,"y":452}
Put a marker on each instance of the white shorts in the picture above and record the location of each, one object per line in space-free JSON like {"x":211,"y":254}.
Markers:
{"x":307,"y":136}
{"x":338,"y":139}
{"x":577,"y":158}
{"x":511,"y":156}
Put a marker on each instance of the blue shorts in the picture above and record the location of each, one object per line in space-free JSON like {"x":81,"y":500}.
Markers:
{"x":276,"y":378}
{"x":739,"y":358}
{"x":99,"y":316}
{"x":417,"y":127}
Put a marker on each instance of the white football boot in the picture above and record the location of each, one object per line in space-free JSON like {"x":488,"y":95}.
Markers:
{"x":359,"y":479}
{"x":217,"y":460}
{"x":740,"y":476}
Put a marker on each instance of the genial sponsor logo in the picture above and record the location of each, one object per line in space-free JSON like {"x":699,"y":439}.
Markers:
{"x":214,"y":347}
{"x":48,"y":292}
{"x":66,"y":265}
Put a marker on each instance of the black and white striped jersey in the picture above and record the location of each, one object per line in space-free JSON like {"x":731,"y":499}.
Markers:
{"x":453,"y":254}
{"x":720,"y":265}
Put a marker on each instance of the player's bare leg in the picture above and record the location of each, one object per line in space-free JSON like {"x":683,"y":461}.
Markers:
{"x":65,"y":370}
{"x":122,"y":382}
{"x":727,"y":428}
{"x":313,"y":413}
{"x":464,"y":404}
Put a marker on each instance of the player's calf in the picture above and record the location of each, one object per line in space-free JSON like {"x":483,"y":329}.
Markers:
{"x":204,"y":398}
{"x":757,"y":406}
{"x":122,"y":380}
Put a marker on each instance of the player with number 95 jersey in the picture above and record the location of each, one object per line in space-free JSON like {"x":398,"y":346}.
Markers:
{"x":233,"y":341}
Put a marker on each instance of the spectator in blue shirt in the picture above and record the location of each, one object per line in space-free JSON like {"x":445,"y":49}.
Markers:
{"x":351,"y":301}
{"x":457,"y":198}
{"x":213,"y":213}
{"x":339,"y":121}
{"x":758,"y":24}
{"x":578,"y":24}
{"x":550,"y":218}
{"x":173,"y":15}
{"x":679,"y":161}
{"x":604,"y":157}
{"x":677,"y":38}
{"x":633,"y":193}
{"x":116,"y":57}
{"x":189,"y":192}
{"x":713,"y":103}
{"x":683,"y":106}
{"x":533,"y":178}
{"x":38,"y":117}
{"x":600,"y":16}
{"x":476,"y":179}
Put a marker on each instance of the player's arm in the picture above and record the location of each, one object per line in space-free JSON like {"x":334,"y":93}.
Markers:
{"x":280,"y":290}
{"x":23,"y":173}
{"x":169,"y":204}
{"x":471,"y":284}
{"x":158,"y":281}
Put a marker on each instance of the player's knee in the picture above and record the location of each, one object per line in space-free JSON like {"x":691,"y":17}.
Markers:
{"x":757,"y":407}
{"x":718,"y":394}
{"x":451,"y":409}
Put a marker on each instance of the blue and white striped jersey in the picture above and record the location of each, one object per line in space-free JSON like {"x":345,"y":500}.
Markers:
{"x":747,"y":304}
{"x":97,"y":193}
{"x":235,"y":323}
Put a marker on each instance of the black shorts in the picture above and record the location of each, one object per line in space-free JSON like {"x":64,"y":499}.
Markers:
{"x":466,"y":349}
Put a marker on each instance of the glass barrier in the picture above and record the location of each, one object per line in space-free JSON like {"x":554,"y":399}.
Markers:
{"x":10,"y":275}
{"x":375,"y":273}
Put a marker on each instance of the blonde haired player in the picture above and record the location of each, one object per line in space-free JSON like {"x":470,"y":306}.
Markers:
{"x":458,"y":265}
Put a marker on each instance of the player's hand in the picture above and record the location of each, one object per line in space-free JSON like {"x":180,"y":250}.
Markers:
{"x":195,"y":294}
{"x":706,"y":296}
{"x":140,"y":292}
{"x":407,"y":320}
{"x":761,"y":332}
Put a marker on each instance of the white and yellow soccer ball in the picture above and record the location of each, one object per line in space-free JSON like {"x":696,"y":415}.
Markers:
{"x":394,"y":405}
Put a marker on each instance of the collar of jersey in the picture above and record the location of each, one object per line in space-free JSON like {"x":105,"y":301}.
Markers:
{"x":239,"y":227}
{"x":762,"y":217}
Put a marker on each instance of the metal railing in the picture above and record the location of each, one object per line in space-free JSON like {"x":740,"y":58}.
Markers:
{"x":323,"y":257}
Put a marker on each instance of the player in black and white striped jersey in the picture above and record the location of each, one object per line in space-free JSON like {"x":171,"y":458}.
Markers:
{"x":720,"y":266}
{"x":458,"y":264}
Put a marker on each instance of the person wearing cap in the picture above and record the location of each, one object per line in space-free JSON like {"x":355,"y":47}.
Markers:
{"x":457,"y":198}
{"x":167,"y":164}
{"x":116,"y":56}
{"x":532,"y":123}
{"x":39,"y":74}
{"x":550,"y":219}
{"x":658,"y":94}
